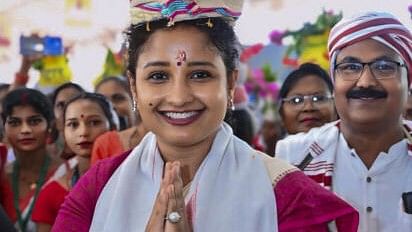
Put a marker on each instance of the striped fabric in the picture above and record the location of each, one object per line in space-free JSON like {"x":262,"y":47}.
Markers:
{"x":321,"y":172}
{"x":382,"y":27}
{"x":143,"y":11}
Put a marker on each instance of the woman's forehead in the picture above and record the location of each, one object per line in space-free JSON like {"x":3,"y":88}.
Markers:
{"x":81,"y":106}
{"x":24,"y":111}
{"x":308,"y":84}
{"x":182,"y":37}
{"x":168,"y":49}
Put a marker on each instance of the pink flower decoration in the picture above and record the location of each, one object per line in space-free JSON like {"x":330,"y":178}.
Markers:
{"x":273,"y":89}
{"x":258,"y":85}
{"x":250,"y":87}
{"x":276,"y":37}
{"x":258,"y":74}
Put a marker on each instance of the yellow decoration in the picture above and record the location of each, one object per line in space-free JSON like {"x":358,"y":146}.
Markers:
{"x":78,"y":13}
{"x":5,"y":38}
{"x":113,"y":66}
{"x":54,"y":71}
{"x":310,"y":42}
{"x":315,"y":50}
{"x":78,"y":4}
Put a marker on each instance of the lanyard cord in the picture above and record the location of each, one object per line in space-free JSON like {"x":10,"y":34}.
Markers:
{"x":15,"y":185}
{"x":75,"y":176}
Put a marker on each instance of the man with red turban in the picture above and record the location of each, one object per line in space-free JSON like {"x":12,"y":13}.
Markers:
{"x":366,"y":156}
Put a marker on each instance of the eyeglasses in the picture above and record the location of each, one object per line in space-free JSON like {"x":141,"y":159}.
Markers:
{"x":381,"y":69}
{"x":317,"y":100}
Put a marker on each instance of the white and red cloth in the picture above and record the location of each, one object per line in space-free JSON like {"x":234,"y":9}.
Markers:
{"x":142,"y":11}
{"x":230,"y":171}
{"x":320,"y":143}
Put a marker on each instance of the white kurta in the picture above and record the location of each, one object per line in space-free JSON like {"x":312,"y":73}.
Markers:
{"x":377,"y":198}
{"x":376,"y":192}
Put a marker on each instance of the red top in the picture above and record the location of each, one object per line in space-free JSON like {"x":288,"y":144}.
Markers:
{"x":3,"y":157}
{"x":6,"y":196}
{"x":3,"y":161}
{"x":48,"y":203}
{"x":106,"y":145}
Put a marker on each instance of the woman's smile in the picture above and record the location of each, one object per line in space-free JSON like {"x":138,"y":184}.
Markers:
{"x":182,"y":118}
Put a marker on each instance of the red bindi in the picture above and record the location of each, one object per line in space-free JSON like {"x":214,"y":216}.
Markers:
{"x":82,"y":116}
{"x":24,"y":98}
{"x":181,"y":57}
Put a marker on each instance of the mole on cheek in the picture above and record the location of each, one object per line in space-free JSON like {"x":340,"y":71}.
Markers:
{"x":151,"y":104}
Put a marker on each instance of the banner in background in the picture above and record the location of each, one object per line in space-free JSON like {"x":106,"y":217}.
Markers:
{"x":78,"y":13}
{"x":5,"y":38}
{"x":274,"y":4}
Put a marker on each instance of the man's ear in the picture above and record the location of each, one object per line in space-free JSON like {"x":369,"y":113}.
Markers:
{"x":132,"y":84}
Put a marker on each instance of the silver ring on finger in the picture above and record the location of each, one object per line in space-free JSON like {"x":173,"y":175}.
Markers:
{"x":173,"y":217}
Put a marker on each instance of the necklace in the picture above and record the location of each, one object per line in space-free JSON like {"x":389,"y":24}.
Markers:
{"x":15,"y":186}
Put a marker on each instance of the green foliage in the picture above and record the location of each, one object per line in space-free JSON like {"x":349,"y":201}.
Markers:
{"x":323,"y":23}
{"x":269,"y":75}
{"x":111,"y":67}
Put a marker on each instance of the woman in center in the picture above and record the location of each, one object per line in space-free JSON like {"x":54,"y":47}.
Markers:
{"x":190,"y":173}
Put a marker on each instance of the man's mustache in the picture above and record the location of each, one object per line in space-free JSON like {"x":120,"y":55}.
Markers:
{"x":366,"y":93}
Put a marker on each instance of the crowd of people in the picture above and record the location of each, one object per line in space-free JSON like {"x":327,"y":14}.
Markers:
{"x":173,"y":146}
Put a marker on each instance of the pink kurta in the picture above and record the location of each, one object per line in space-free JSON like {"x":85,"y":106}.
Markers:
{"x":302,"y":205}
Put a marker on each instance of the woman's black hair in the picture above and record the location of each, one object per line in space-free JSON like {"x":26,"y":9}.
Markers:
{"x":120,"y":80}
{"x":241,"y":122}
{"x":27,"y":97}
{"x":221,"y":35}
{"x":63,"y":87}
{"x":4,"y":86}
{"x":303,"y":71}
{"x":97,"y":98}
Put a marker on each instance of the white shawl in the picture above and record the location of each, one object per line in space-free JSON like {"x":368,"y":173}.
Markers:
{"x":321,"y":144}
{"x":231,"y":191}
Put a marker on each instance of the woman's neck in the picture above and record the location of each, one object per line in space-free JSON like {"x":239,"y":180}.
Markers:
{"x":31,"y":160}
{"x":190,"y":157}
{"x":131,"y":137}
{"x":83,"y":164}
{"x":370,"y":141}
